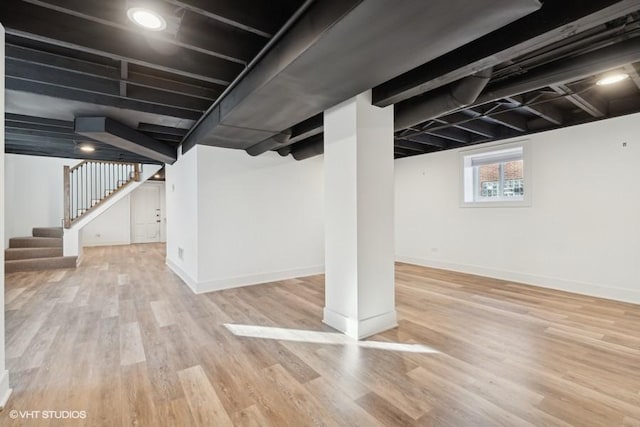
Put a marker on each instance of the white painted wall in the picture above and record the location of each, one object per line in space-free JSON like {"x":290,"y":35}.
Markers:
{"x":580,"y":233}
{"x":113,"y":227}
{"x":5,"y":391}
{"x":182,"y":216}
{"x":243,"y":220}
{"x":34,"y":193}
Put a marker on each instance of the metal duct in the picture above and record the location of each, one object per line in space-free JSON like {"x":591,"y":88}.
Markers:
{"x":338,"y":49}
{"x":567,"y":70}
{"x":564,"y":71}
{"x":312,"y":147}
{"x":442,"y":101}
{"x":276,"y":141}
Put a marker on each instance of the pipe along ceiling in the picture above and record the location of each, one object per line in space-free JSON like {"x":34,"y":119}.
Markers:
{"x":468,"y":92}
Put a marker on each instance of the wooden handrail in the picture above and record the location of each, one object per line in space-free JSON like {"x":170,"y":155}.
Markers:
{"x":67,"y":197}
{"x":91,"y":182}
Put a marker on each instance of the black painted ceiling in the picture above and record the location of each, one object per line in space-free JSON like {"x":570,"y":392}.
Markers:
{"x":70,"y":58}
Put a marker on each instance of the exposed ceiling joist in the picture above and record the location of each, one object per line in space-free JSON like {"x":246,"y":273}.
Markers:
{"x":553,"y":22}
{"x":60,"y":29}
{"x":586,"y":101}
{"x":408,"y":144}
{"x":508,"y":119}
{"x":431,"y":140}
{"x":118,"y":135}
{"x":452,"y":134}
{"x":546,"y":111}
{"x":462,"y":121}
{"x":260,"y":18}
{"x":61,"y":92}
{"x":111,"y":14}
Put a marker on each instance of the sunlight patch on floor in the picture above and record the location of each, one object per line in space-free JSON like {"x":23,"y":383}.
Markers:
{"x":318,"y":337}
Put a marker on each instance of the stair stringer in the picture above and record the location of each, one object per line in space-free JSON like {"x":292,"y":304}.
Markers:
{"x":71,"y":241}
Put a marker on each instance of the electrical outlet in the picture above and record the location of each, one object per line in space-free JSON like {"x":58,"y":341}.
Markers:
{"x":181,"y":253}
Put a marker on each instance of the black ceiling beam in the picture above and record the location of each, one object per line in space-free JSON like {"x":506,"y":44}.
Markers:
{"x":434,"y":141}
{"x":545,"y":110}
{"x":36,"y":57}
{"x":118,"y":135}
{"x":221,"y":40}
{"x":452,"y":134}
{"x":16,"y":84}
{"x":69,"y":150}
{"x":508,"y":119}
{"x":262,"y":18}
{"x":166,"y":130}
{"x":555,"y":21}
{"x":20,"y":118}
{"x":588,"y":102}
{"x":57,"y":28}
{"x":408,"y":144}
{"x":305,"y":129}
{"x":460,"y":121}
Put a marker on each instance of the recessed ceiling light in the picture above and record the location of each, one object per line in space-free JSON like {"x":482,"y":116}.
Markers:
{"x":147,"y":19}
{"x":157,"y":176}
{"x":87,"y":148}
{"x":612,"y":78}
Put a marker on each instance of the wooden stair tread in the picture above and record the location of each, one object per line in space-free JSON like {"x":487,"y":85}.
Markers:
{"x":12,"y":254}
{"x":35,"y":242}
{"x":32,"y":264}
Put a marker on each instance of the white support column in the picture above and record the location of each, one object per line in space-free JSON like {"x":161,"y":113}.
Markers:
{"x":5,"y":391}
{"x":359,"y":204}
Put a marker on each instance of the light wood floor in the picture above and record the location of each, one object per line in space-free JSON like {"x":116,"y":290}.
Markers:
{"x":124,"y":340}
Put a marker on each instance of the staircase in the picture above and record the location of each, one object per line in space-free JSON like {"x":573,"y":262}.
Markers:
{"x":41,"y":251}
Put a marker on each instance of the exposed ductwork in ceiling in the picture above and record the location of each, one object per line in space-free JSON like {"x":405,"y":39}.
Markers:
{"x":441,"y":101}
{"x":286,"y":87}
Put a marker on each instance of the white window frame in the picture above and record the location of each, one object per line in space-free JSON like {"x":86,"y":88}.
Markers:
{"x":470,"y":193}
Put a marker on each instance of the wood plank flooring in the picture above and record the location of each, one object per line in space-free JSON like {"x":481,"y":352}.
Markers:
{"x":123,"y":339}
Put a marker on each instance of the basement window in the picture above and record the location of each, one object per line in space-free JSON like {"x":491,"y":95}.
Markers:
{"x":496,"y":176}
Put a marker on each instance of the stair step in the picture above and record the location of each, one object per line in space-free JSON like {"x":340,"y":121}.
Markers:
{"x":35,"y":242}
{"x":28,"y":253}
{"x":48,"y":232}
{"x":40,"y":264}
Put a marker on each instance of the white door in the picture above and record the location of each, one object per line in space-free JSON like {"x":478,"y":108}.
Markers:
{"x":146,"y":214}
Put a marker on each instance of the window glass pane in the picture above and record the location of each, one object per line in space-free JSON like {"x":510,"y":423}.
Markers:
{"x":489,"y":180}
{"x":513,"y":179}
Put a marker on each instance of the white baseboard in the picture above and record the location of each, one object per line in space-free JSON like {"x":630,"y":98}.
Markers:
{"x":5,"y":391}
{"x":97,"y":244}
{"x":591,"y":289}
{"x":363,"y":328}
{"x":257,"y":279}
{"x":192,"y":283}
{"x":236,"y":282}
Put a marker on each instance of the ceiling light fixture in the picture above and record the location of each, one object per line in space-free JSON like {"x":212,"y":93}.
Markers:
{"x":612,"y":78}
{"x":147,"y":19}
{"x":157,"y":176}
{"x":87,"y":148}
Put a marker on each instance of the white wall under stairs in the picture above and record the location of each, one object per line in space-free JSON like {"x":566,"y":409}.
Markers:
{"x":72,"y":243}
